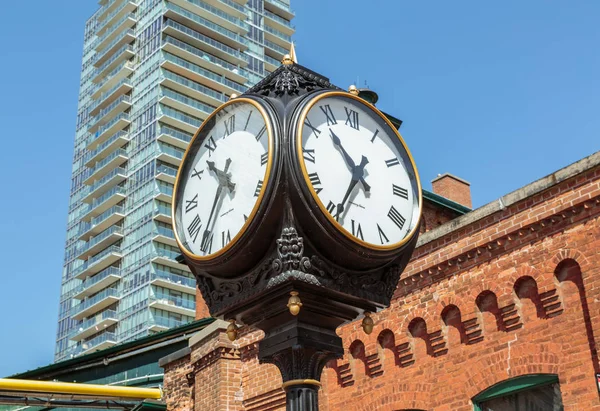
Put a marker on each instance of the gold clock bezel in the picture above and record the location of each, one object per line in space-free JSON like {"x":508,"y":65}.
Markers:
{"x":315,"y":196}
{"x":244,"y":229}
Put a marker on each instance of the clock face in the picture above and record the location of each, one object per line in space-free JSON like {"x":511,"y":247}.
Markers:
{"x":223,"y":178}
{"x":359,"y":171}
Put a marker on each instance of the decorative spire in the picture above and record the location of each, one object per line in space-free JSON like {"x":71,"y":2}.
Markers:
{"x":293,"y":53}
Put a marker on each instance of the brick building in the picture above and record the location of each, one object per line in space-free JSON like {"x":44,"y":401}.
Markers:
{"x":498,"y":309}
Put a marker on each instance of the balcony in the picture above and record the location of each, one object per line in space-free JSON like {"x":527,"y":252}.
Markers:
{"x":206,"y":27}
{"x":174,"y":281}
{"x":98,"y":224}
{"x":184,"y":104}
{"x":192,"y":89}
{"x":173,"y":304}
{"x":204,"y":59}
{"x":93,"y":325}
{"x":122,"y":87}
{"x":277,"y":37}
{"x":106,"y":168}
{"x":174,"y":137}
{"x":163,"y":214}
{"x":178,"y":119}
{"x":231,"y":7}
{"x":166,"y":173}
{"x":167,"y":258}
{"x":164,"y":194}
{"x":94,"y":304}
{"x":106,"y":131}
{"x":125,"y":37}
{"x":126,"y":22}
{"x":98,"y":282}
{"x":118,"y":106}
{"x":280,"y":8}
{"x":271,"y":64}
{"x":111,"y":198}
{"x":279,"y":23}
{"x":101,"y":241}
{"x":115,"y":142}
{"x":104,"y":340}
{"x":126,"y":52}
{"x":110,"y":73}
{"x":115,"y":16}
{"x":160,"y":323}
{"x":275,"y":50}
{"x":211,"y":13}
{"x":201,"y":75}
{"x":165,"y":236}
{"x":169,"y":155}
{"x":99,"y":262}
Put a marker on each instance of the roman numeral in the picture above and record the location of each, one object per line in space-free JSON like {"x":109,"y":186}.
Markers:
{"x":400,"y":192}
{"x":351,"y":118}
{"x":331,"y":207}
{"x":314,"y":129}
{"x":396,"y":217}
{"x":357,"y":230}
{"x":225,"y":238}
{"x":264,"y":158}
{"x":229,"y":125}
{"x":194,"y":228}
{"x":382,"y":235}
{"x":393,"y":162}
{"x":258,"y":188}
{"x":315,"y":181}
{"x":248,"y":120}
{"x":207,"y":240}
{"x":198,"y":174}
{"x":191,"y":204}
{"x":328,"y":115}
{"x":211,"y":145}
{"x":375,"y":135}
{"x":309,"y":154}
{"x":261,"y":132}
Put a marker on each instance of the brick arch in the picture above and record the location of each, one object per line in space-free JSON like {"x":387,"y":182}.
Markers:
{"x":525,"y":358}
{"x":565,"y":254}
{"x":358,"y":354}
{"x":526,"y":288}
{"x":451,"y":317}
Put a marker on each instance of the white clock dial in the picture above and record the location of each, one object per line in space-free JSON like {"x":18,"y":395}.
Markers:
{"x":223,"y":178}
{"x":360,"y":173}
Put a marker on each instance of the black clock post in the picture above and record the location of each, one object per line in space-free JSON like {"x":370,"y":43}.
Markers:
{"x":291,"y":272}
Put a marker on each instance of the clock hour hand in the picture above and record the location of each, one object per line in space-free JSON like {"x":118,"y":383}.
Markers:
{"x":354,"y":169}
{"x":357,"y":175}
{"x":223,"y":177}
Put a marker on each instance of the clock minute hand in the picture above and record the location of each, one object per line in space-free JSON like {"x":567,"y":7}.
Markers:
{"x":353,"y":167}
{"x":357,"y":175}
{"x":338,"y":144}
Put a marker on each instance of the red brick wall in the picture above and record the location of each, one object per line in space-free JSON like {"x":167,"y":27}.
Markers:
{"x":512,"y":293}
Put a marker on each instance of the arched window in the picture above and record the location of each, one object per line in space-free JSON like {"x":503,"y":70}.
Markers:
{"x":536,"y":392}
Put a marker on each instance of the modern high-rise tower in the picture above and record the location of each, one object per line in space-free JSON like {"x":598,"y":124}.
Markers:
{"x":152,"y":71}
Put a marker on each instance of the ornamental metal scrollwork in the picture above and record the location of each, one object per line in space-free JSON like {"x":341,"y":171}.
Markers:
{"x":290,"y":249}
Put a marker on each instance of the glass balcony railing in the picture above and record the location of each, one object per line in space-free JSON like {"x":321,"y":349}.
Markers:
{"x":194,"y":86}
{"x":96,"y":341}
{"x":107,"y":195}
{"x":161,"y":209}
{"x":172,"y":300}
{"x":164,"y":231}
{"x":168,"y":322}
{"x":112,"y":29}
{"x":114,"y":71}
{"x":207,"y":23}
{"x":171,"y":151}
{"x":278,"y":34}
{"x":281,"y":5}
{"x":115,"y":56}
{"x":165,"y":190}
{"x":174,"y":278}
{"x":113,"y":14}
{"x":123,"y":99}
{"x":278,"y":19}
{"x":276,"y":47}
{"x":105,"y":234}
{"x":206,"y":56}
{"x":107,"y":93}
{"x":122,"y":116}
{"x":272,"y":61}
{"x":106,"y":144}
{"x":162,"y":252}
{"x":204,"y":73}
{"x":187,"y":100}
{"x":219,"y":13}
{"x":205,"y":39}
{"x":113,"y":210}
{"x":108,"y":48}
{"x":104,"y":162}
{"x":234,"y":5}
{"x":90,"y":281}
{"x":85,"y":304}
{"x":93,"y":321}
{"x":170,"y":171}
{"x":178,"y":115}
{"x":180,"y":135}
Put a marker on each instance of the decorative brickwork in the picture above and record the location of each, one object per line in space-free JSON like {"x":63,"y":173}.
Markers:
{"x":507,"y":290}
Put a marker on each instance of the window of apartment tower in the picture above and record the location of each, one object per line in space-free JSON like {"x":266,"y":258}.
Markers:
{"x":540,"y":392}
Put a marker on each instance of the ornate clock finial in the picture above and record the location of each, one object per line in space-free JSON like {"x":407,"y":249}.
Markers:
{"x":293,"y":53}
{"x":287,"y":60}
{"x":232,"y":96}
{"x":353,"y":90}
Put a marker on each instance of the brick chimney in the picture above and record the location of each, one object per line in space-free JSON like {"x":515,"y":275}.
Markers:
{"x":453,"y":188}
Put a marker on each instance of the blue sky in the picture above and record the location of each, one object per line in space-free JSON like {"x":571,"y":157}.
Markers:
{"x":498,"y":93}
